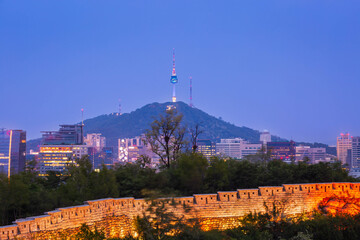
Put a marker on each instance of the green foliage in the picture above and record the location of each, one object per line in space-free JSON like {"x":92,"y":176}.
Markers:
{"x":26,"y":194}
{"x":188,"y":173}
{"x":131,"y":179}
{"x":86,"y":233}
{"x":218,"y":175}
{"x":159,"y":222}
{"x":263,"y":226}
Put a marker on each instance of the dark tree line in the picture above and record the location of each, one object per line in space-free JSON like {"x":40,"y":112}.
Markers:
{"x":26,"y":194}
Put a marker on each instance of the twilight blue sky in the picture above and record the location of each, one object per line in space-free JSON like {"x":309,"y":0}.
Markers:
{"x":292,"y":67}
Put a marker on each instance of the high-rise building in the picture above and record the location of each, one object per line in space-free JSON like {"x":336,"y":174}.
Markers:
{"x":12,"y":151}
{"x":355,"y":152}
{"x":282,"y":150}
{"x":130,"y":149}
{"x":61,"y":148}
{"x":265,"y":137}
{"x":95,"y":140}
{"x":104,"y":157}
{"x":315,"y":155}
{"x":67,"y":135}
{"x":237,"y":148}
{"x":58,"y":157}
{"x":343,"y":144}
{"x":206,"y":148}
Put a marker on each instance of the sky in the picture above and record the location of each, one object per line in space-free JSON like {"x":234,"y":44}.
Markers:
{"x":291,"y":67}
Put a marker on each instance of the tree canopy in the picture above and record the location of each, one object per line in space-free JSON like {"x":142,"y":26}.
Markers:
{"x":27,"y":194}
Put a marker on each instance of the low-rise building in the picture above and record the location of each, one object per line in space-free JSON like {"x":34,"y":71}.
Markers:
{"x":315,"y":155}
{"x":282,"y":150}
{"x":237,"y":148}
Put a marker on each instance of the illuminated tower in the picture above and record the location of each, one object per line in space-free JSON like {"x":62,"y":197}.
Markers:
{"x":173,"y":78}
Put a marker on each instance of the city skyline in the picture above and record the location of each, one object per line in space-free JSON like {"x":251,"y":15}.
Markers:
{"x":287,"y":67}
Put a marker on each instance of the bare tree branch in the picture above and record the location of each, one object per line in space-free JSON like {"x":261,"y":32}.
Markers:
{"x":166,"y":137}
{"x":194,"y":134}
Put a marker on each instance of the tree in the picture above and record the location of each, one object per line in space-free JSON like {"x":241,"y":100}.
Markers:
{"x":166,"y":137}
{"x":143,"y":161}
{"x":262,"y":156}
{"x":194,"y":134}
{"x":86,"y":233}
{"x":159,"y":222}
{"x":188,"y":175}
{"x":77,"y":188}
{"x":217,"y":177}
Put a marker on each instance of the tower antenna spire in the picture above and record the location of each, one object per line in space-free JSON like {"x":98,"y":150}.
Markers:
{"x":191,"y":100}
{"x":173,"y":70}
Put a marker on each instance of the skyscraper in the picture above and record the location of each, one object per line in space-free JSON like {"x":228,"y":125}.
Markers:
{"x":355,"y":152}
{"x":96,"y":141}
{"x":12,"y":151}
{"x":206,"y":148}
{"x":129,"y":149}
{"x":173,"y":78}
{"x":343,"y":144}
{"x":67,"y":134}
{"x":61,"y":148}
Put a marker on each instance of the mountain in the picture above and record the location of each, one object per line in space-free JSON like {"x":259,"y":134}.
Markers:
{"x":132,"y":124}
{"x":137,"y":122}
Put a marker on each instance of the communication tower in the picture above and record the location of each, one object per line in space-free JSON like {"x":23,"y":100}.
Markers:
{"x":173,"y":78}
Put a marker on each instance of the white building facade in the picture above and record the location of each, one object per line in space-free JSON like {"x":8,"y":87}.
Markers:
{"x":95,"y":140}
{"x":237,"y":148}
{"x":315,"y":155}
{"x":265,"y":137}
{"x":343,"y":145}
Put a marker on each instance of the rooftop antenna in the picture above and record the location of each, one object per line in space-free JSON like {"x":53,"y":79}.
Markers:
{"x":82,"y":117}
{"x":82,"y":126}
{"x":191,"y":102}
{"x":119,"y":107}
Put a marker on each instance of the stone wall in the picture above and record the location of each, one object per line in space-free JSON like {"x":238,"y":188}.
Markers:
{"x":219,"y":210}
